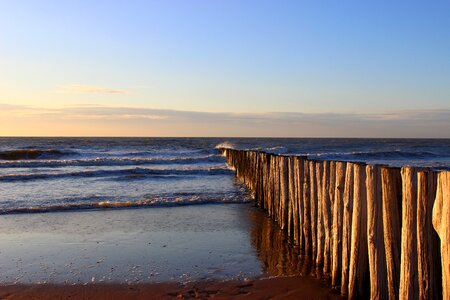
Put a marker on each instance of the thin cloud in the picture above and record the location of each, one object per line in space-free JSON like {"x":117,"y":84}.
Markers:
{"x":166,"y":122}
{"x":91,"y":89}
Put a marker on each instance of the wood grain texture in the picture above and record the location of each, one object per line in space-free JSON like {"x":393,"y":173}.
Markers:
{"x":408,"y":261}
{"x":337,"y":226}
{"x":347,"y":226}
{"x":313,"y":202}
{"x":441,"y":223}
{"x":392,"y":216}
{"x":284,"y":192}
{"x":328,"y":185}
{"x":307,"y":209}
{"x":320,"y":222}
{"x":375,"y":242}
{"x":359,"y":270}
{"x":292,"y":220}
{"x":428,"y":252}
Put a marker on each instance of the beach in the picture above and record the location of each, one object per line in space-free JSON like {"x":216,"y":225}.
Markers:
{"x":220,"y":251}
{"x":167,"y":217}
{"x":295,"y":287}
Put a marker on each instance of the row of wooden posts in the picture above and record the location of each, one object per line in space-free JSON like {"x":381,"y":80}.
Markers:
{"x":380,"y":232}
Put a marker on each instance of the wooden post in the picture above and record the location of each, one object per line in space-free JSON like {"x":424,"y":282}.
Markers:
{"x":263,"y":180}
{"x":277,"y":194}
{"x":292,"y":220}
{"x":270,"y":186}
{"x":275,"y":188}
{"x":298,"y":211}
{"x":346,"y":226}
{"x":338,"y":207}
{"x":313,"y":201}
{"x":408,"y":261}
{"x":428,"y":251}
{"x":441,"y":223}
{"x":392,"y":202}
{"x":328,"y":185}
{"x":266,"y":180}
{"x":320,"y":223}
{"x":358,"y":248}
{"x":273,"y":185}
{"x":284,"y":191}
{"x":299,"y":178}
{"x":307,"y":208}
{"x":377,"y":258}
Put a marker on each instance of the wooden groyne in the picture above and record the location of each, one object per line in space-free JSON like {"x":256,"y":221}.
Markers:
{"x":378,"y":232}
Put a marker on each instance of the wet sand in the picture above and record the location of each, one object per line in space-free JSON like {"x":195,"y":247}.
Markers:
{"x":217,"y":251}
{"x":272,"y":288}
{"x":183,"y":243}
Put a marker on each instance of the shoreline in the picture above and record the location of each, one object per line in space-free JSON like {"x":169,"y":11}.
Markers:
{"x":283,"y":287}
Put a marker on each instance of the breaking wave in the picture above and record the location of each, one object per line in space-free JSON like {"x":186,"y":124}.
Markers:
{"x":225,"y":145}
{"x":33,"y":154}
{"x":180,"y":199}
{"x":133,"y":173}
{"x":377,"y":155}
{"x":111,"y":161}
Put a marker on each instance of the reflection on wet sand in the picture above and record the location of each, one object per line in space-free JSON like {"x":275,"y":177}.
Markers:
{"x":275,"y":250}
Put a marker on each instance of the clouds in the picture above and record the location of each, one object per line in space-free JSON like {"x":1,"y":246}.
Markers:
{"x":91,"y":89}
{"x":135,"y":121}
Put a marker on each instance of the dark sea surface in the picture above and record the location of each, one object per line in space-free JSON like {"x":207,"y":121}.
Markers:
{"x":52,"y":174}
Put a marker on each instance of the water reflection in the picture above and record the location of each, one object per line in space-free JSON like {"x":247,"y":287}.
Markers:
{"x":277,"y":253}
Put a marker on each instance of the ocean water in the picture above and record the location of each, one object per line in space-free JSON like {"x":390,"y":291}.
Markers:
{"x":54,"y":174}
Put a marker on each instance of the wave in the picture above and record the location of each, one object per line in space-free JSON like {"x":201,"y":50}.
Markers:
{"x":276,"y":150}
{"x":33,"y":154}
{"x":134,"y":173}
{"x":181,"y":199}
{"x":377,"y":155}
{"x":225,"y":145}
{"x":112,"y":161}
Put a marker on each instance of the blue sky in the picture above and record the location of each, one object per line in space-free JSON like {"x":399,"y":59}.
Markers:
{"x":314,"y":58}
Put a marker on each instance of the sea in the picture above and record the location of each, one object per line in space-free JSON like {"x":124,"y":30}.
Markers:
{"x":64,"y":174}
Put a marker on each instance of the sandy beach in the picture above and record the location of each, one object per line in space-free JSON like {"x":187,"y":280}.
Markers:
{"x":216,"y":251}
{"x":274,"y":288}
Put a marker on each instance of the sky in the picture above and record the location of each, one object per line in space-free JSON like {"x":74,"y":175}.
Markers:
{"x":225,"y":68}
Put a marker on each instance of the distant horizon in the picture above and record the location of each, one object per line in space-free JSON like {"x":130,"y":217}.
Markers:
{"x":227,"y":137}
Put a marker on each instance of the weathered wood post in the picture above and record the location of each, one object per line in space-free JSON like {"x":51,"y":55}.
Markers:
{"x":307,"y":208}
{"x":428,"y":252}
{"x":338,"y":207}
{"x":320,"y":223}
{"x":299,"y":163}
{"x":266,"y":180}
{"x":377,"y":258}
{"x":271,"y":186}
{"x":276,"y":192}
{"x":328,"y":179}
{"x":313,"y":202}
{"x":441,"y":223}
{"x":346,"y":226}
{"x":392,"y":203}
{"x":408,"y":260}
{"x":284,"y":191}
{"x":292,"y":219}
{"x":263,"y":180}
{"x":358,"y":248}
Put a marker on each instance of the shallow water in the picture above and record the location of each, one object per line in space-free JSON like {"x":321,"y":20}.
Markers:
{"x":223,"y":241}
